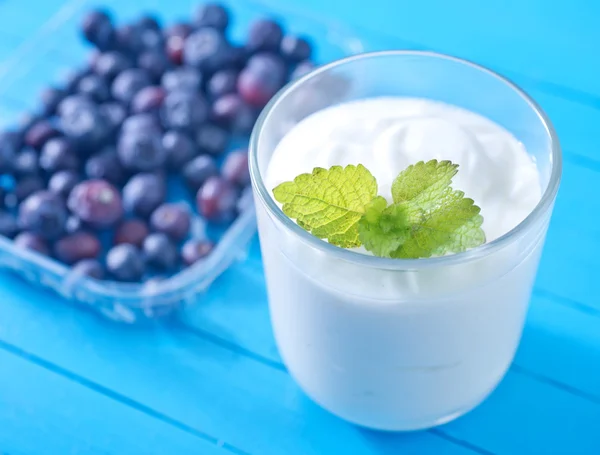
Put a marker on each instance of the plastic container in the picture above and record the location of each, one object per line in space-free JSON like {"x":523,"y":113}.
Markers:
{"x":57,"y":47}
{"x":396,"y":344}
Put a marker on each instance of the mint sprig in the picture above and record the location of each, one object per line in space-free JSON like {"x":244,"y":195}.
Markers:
{"x":427,"y":217}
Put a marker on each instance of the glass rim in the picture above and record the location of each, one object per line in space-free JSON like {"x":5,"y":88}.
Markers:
{"x":543,"y":205}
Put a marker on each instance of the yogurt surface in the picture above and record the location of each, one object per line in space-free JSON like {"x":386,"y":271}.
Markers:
{"x":386,"y":135}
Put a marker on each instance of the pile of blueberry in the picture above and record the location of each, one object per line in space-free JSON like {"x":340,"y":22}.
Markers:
{"x":87,"y":179}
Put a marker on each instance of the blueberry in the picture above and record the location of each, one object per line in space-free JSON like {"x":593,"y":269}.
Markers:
{"x":89,"y":267}
{"x":39,"y":133}
{"x":197,"y":171}
{"x":24,"y":188}
{"x":72,"y":103}
{"x":216,"y":200}
{"x":84,"y":124}
{"x":222,"y":83}
{"x":233,"y":112}
{"x":235,"y":168}
{"x":124,"y":263}
{"x":194,"y":250}
{"x":71,"y":79}
{"x":58,"y":155}
{"x":128,"y":83}
{"x":131,"y":231}
{"x":76,"y":247}
{"x":160,"y":251}
{"x":148,"y":99}
{"x":171,"y":219}
{"x":150,"y":39}
{"x":154,"y":62}
{"x":94,"y":87}
{"x":180,"y":149}
{"x":8,"y":225}
{"x":212,"y":139}
{"x":33,"y":242}
{"x":113,"y":114}
{"x":129,"y":39}
{"x":264,"y":35}
{"x":143,"y":194}
{"x":74,"y":225}
{"x":97,"y":28}
{"x":43,"y":213}
{"x":141,"y":123}
{"x":10,"y":143}
{"x":26,"y":163}
{"x":174,"y":48}
{"x":50,"y":98}
{"x":302,"y":68}
{"x":263,"y":76}
{"x":212,"y":15}
{"x":184,"y":110}
{"x":105,"y":165}
{"x":141,"y":151}
{"x":181,"y":29}
{"x":149,"y":21}
{"x":63,"y":182}
{"x":96,"y":202}
{"x":109,"y":64}
{"x":237,"y":57}
{"x":295,"y":48}
{"x":206,"y":49}
{"x":184,"y":78}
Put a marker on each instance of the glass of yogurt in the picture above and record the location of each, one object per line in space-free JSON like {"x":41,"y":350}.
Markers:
{"x":404,"y":344}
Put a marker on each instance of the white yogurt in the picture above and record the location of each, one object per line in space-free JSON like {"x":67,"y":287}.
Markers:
{"x":408,"y":349}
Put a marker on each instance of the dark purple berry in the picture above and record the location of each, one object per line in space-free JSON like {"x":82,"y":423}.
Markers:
{"x":212,"y":15}
{"x":148,"y":99}
{"x":84,"y":124}
{"x":105,"y":165}
{"x":222,"y":83}
{"x":96,"y":202}
{"x":264,"y":35}
{"x":233,"y":112}
{"x":146,"y":122}
{"x":141,"y":151}
{"x":180,"y":149}
{"x":10,"y":144}
{"x":128,"y":83}
{"x":51,"y":98}
{"x":184,"y":110}
{"x":171,"y":219}
{"x":131,"y":231}
{"x":174,"y":48}
{"x":63,"y":182}
{"x":109,"y":64}
{"x":295,"y":48}
{"x":216,"y":200}
{"x":211,"y":139}
{"x":182,"y":79}
{"x":206,"y":49}
{"x":143,"y":194}
{"x":114,"y":114}
{"x":94,"y":87}
{"x":97,"y":28}
{"x":76,"y":247}
{"x":58,"y":155}
{"x":39,"y":133}
{"x":8,"y":225}
{"x":26,"y":163}
{"x":302,"y":69}
{"x":182,"y":29}
{"x":194,"y":250}
{"x":160,"y":251}
{"x":43,"y":213}
{"x":263,"y":76}
{"x":90,"y":268}
{"x":235,"y":168}
{"x":33,"y":242}
{"x":197,"y":171}
{"x":25,"y":187}
{"x":124,"y":263}
{"x":154,"y":62}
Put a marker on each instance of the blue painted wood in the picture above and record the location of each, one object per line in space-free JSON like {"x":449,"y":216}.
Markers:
{"x":70,"y":382}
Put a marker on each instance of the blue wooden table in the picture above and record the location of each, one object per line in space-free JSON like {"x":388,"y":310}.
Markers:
{"x":212,"y":383}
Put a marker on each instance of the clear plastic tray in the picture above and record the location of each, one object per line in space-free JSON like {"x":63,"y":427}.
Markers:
{"x":56,"y":47}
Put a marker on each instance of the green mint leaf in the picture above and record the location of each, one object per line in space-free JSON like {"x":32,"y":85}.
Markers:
{"x":329,"y":202}
{"x":383,"y":229}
